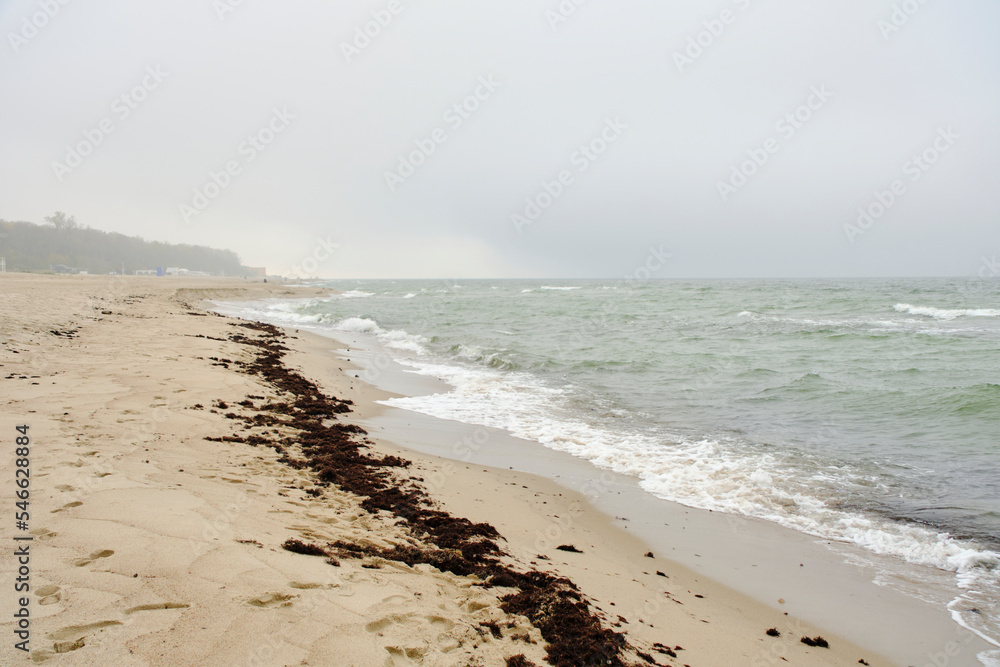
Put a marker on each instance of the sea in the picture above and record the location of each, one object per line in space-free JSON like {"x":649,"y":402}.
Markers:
{"x":858,"y":411}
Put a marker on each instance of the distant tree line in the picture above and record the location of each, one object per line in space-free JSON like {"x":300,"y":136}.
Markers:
{"x":64,"y":242}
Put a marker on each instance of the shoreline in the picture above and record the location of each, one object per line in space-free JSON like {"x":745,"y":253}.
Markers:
{"x":877,"y":601}
{"x":127,"y":445}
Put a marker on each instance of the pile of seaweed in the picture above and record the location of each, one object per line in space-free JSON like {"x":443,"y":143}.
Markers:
{"x":340,"y":454}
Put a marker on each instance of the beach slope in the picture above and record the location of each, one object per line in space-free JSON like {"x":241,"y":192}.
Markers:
{"x":200,"y":493}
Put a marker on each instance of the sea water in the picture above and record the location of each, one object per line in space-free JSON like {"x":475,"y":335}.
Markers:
{"x":863,"y":411}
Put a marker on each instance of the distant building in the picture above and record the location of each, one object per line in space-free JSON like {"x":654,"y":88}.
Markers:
{"x":178,"y":271}
{"x":146,"y":272}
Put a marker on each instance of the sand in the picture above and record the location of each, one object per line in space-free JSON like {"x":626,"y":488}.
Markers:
{"x":154,"y":546}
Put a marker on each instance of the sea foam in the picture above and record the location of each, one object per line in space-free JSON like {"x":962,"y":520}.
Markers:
{"x":944,"y":313}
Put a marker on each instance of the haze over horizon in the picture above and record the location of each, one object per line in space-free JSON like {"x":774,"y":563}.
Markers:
{"x":567,"y":138}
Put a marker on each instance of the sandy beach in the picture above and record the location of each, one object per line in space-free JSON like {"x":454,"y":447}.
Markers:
{"x":200,"y":493}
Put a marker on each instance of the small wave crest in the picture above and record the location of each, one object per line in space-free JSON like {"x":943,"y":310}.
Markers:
{"x":945,"y":313}
{"x":482,"y":356}
{"x":397,"y":339}
{"x":353,"y":294}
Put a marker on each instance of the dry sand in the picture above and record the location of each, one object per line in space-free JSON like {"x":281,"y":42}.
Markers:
{"x":155,"y":546}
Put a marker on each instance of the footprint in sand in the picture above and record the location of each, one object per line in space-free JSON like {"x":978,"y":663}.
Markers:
{"x":49,"y":594}
{"x":104,"y":553}
{"x":65,"y":487}
{"x":438,"y":623}
{"x":473,"y":606}
{"x":73,"y":637}
{"x":395,"y":600}
{"x":412,"y":652}
{"x":269,"y":600}
{"x":377,"y":627}
{"x":43,"y":534}
{"x":75,"y":503}
{"x":157,"y":606}
{"x":307,"y":586}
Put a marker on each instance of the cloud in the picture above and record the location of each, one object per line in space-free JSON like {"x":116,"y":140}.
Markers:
{"x":415,"y":75}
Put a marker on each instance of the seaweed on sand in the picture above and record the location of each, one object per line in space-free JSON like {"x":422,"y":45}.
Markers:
{"x":339,"y":454}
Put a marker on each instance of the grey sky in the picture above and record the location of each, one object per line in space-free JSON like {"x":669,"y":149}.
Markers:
{"x":673,"y":130}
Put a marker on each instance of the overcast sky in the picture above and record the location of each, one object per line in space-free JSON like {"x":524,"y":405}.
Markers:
{"x":740,"y":136}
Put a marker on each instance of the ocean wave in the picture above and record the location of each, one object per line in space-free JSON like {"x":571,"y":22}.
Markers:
{"x":559,"y":288}
{"x":989,"y":658}
{"x":279,"y":312}
{"x":397,"y":339}
{"x":353,"y":294}
{"x":866,"y":326}
{"x":787,"y":488}
{"x":482,"y":356}
{"x":944,"y":313}
{"x":816,"y":491}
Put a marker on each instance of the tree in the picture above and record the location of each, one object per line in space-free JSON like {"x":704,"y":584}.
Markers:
{"x":61,"y":221}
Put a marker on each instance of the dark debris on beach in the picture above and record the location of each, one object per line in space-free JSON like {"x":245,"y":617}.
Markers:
{"x":339,"y":454}
{"x":817,"y":642}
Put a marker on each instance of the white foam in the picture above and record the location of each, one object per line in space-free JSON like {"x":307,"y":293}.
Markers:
{"x":721,"y":475}
{"x":559,"y":288}
{"x":353,"y":294}
{"x":989,"y":658}
{"x":358,"y":325}
{"x":277,"y":312}
{"x":397,"y":339}
{"x":409,"y":296}
{"x":727,"y":476}
{"x":945,"y":314}
{"x":881,"y":326}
